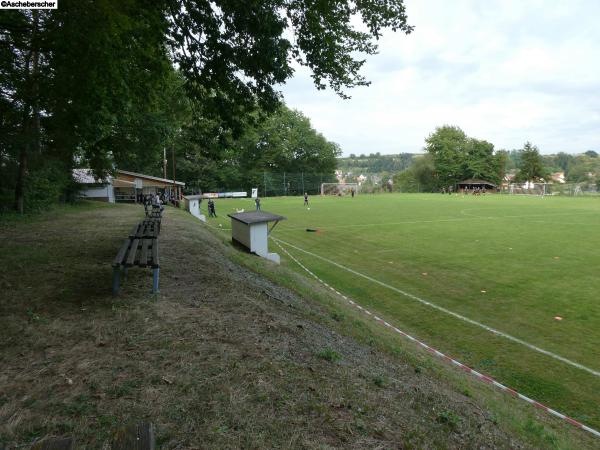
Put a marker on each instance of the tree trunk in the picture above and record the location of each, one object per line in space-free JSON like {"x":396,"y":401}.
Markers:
{"x":31,"y":122}
{"x":19,"y":188}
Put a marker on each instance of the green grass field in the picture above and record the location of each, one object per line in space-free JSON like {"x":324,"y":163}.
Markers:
{"x":508,"y":262}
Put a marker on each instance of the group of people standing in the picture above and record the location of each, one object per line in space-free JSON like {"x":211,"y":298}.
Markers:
{"x":257,"y":201}
{"x":212,"y":212}
{"x":144,"y":199}
{"x":475,"y":191}
{"x":153,"y":200}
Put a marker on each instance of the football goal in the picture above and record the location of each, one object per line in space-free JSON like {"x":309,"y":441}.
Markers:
{"x":527,"y":188}
{"x":339,"y":188}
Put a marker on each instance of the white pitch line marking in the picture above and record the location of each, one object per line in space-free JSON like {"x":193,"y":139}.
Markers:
{"x":449,"y":312}
{"x":482,"y":377}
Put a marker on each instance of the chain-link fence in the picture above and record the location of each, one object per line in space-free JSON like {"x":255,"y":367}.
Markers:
{"x":271,"y":184}
{"x":281,"y":184}
{"x":566,"y":189}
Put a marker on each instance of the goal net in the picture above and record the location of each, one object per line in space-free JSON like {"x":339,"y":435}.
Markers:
{"x":527,"y":188}
{"x":339,"y":188}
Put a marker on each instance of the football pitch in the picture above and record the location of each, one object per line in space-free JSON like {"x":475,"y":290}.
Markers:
{"x":508,"y":285}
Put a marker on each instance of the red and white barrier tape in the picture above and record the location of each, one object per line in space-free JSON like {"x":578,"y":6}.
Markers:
{"x":485,"y":378}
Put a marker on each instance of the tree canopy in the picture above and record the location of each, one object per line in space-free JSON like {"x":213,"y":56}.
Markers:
{"x":457,"y":157}
{"x":107,"y":81}
{"x":419,"y":177}
{"x":531,"y":167}
{"x":375,"y":163}
{"x":284,"y":142}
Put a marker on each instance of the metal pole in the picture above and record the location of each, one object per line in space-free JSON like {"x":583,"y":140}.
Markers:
{"x":284,"y":188}
{"x":174,"y":185}
{"x":303,"y":191}
{"x":265,"y":182}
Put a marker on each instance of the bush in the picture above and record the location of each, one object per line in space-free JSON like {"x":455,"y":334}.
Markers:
{"x":46,"y":186}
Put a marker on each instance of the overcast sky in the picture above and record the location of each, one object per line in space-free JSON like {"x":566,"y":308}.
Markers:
{"x":504,"y":71}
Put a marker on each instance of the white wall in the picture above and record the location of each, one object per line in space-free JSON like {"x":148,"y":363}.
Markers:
{"x":241,"y":233}
{"x":99,"y":192}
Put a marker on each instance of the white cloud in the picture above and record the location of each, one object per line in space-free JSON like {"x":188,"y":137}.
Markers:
{"x":504,"y":71}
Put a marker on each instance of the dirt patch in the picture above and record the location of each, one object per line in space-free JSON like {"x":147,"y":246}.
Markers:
{"x":222,"y":358}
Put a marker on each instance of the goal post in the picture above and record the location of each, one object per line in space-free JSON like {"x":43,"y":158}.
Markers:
{"x":339,"y":188}
{"x":528,"y":188}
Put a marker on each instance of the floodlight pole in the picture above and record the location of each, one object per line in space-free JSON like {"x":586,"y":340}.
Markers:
{"x":174,"y":184}
{"x":164,"y":162}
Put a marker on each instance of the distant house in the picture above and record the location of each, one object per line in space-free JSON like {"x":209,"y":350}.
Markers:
{"x":124,"y":186}
{"x":558,"y":177}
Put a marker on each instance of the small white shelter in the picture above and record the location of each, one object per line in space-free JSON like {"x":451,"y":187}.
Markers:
{"x":93,"y":188}
{"x":192,"y":205}
{"x":251,"y":230}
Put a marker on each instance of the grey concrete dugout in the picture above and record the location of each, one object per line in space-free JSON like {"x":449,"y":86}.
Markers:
{"x":251,"y":230}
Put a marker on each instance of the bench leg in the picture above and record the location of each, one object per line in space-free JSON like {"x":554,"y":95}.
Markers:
{"x":125,"y":271}
{"x":155,"y":272}
{"x":116,"y":279}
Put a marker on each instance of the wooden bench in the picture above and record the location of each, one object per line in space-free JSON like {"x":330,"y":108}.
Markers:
{"x":147,"y":228}
{"x":140,"y":252}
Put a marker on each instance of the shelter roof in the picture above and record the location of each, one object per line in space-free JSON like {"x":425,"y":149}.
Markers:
{"x":256,"y":217}
{"x":86,"y":176}
{"x":149,"y":177}
{"x":477,"y":181}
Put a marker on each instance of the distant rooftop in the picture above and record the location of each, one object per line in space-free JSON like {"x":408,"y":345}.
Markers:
{"x":149,"y":177}
{"x":86,"y":176}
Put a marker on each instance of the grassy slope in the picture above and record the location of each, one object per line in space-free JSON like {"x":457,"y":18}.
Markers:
{"x":536,"y":258}
{"x":223,"y":358}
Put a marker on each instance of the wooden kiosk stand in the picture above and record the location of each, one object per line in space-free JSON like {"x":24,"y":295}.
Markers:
{"x":251,"y":230}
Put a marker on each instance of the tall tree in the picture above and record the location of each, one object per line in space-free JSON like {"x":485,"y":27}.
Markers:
{"x":75,"y":76}
{"x":448,"y":147}
{"x":283,"y":142}
{"x":457,"y":157}
{"x":564,"y":160}
{"x":244,"y":48}
{"x":480,"y":162}
{"x":419,"y":177}
{"x":502,"y":163}
{"x":531,"y":167}
{"x":20,"y":77}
